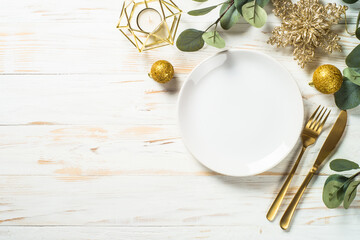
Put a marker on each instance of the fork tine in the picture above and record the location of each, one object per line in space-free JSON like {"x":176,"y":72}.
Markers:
{"x":318,"y":129}
{"x":312,"y":117}
{"x":318,"y":122}
{"x":316,"y":118}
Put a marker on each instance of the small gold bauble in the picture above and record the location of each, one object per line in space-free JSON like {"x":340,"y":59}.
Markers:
{"x":327,"y":79}
{"x":162,"y":71}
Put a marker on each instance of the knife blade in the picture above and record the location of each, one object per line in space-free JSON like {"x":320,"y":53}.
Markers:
{"x":332,"y":139}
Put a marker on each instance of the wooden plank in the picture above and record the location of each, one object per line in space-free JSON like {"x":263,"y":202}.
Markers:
{"x":91,"y":48}
{"x":159,"y":201}
{"x":265,"y":232}
{"x":93,"y":150}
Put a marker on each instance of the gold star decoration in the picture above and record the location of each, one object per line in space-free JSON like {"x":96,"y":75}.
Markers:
{"x":306,"y":26}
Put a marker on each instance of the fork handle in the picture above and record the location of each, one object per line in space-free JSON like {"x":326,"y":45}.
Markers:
{"x":286,"y":218}
{"x":280,"y":197}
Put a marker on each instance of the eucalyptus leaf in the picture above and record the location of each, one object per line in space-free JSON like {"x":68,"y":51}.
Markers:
{"x":230,"y":17}
{"x":262,"y":3}
{"x":340,"y":165}
{"x":353,"y":59}
{"x":214,"y":39}
{"x":357,"y":33}
{"x":350,"y":193}
{"x":336,"y":177}
{"x":239,"y":4}
{"x":333,"y":193}
{"x":254,"y":14}
{"x":348,"y":96}
{"x":200,"y":0}
{"x":190,"y":40}
{"x":353,"y":74}
{"x":202,"y":11}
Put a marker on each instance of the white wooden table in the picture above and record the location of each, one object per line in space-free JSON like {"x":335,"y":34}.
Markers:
{"x":90,"y":148}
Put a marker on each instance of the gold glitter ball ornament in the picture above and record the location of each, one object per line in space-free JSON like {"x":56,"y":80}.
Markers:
{"x":327,"y":79}
{"x":162,"y":71}
{"x":306,"y":25}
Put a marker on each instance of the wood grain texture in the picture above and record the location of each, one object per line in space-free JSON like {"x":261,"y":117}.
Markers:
{"x":155,"y":233}
{"x":90,"y":148}
{"x":154,"y":201}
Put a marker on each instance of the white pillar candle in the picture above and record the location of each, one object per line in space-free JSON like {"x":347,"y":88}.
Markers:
{"x":148,"y":19}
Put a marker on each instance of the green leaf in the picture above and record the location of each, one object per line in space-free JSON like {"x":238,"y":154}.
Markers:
{"x":350,"y":193}
{"x":357,"y":33}
{"x":200,"y":0}
{"x":353,"y":74}
{"x":336,"y":177}
{"x":202,"y":11}
{"x":333,"y":193}
{"x":353,"y":59}
{"x":190,"y":40}
{"x":230,"y":17}
{"x":239,"y":4}
{"x":350,"y":1}
{"x":348,"y":96}
{"x":254,"y":14}
{"x":214,"y":39}
{"x":262,"y":3}
{"x":340,"y":165}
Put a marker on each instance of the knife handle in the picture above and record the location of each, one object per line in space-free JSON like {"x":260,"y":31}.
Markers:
{"x":286,"y":218}
{"x":279,"y":198}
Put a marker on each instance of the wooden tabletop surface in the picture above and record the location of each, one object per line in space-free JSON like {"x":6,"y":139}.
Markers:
{"x":90,"y":147}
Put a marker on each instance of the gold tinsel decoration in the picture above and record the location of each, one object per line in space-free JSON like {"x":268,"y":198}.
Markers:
{"x":306,"y":26}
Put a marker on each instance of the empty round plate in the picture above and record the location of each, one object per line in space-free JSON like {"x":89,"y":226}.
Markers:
{"x":240,"y":113}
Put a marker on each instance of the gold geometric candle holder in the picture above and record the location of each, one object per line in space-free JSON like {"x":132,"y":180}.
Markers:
{"x":149,"y":24}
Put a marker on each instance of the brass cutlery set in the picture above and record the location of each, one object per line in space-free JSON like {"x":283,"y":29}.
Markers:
{"x":309,"y":136}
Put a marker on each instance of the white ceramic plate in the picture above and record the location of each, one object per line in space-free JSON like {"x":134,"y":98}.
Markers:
{"x":240,"y":113}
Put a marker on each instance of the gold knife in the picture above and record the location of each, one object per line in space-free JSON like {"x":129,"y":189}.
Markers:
{"x":329,"y":145}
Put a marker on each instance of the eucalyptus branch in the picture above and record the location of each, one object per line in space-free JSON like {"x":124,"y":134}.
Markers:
{"x":227,"y":9}
{"x":222,"y":15}
{"x":191,"y":39}
{"x":339,"y":189}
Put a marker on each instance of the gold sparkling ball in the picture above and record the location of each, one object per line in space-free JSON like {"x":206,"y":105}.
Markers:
{"x":327,"y":79}
{"x":162,"y":71}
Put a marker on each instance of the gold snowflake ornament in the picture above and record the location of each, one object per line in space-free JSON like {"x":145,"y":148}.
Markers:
{"x":306,"y":26}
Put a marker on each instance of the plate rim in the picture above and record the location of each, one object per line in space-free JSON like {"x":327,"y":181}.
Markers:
{"x":181,"y":93}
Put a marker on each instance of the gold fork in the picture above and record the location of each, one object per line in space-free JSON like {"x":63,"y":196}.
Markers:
{"x":309,"y":135}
